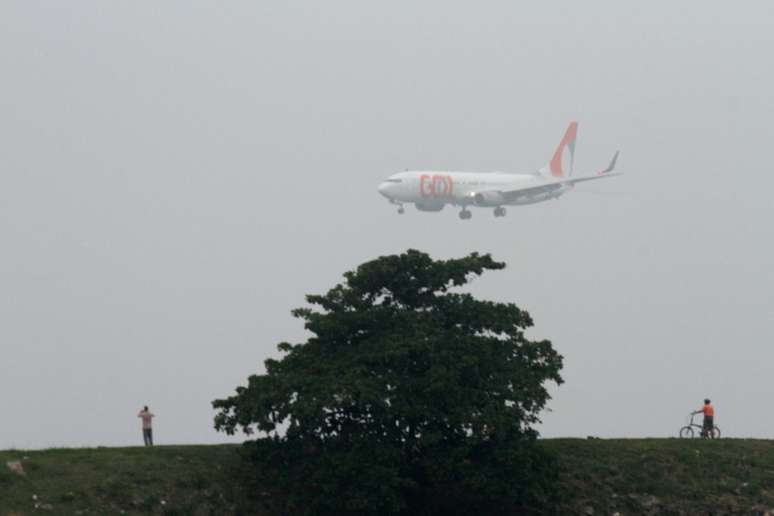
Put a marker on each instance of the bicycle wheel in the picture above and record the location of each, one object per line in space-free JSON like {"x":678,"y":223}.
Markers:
{"x":715,"y":432}
{"x":686,"y":432}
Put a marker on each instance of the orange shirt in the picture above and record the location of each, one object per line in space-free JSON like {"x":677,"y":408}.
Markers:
{"x":708,"y":411}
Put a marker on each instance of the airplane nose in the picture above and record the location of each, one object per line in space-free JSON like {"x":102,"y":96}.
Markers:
{"x":384,"y":189}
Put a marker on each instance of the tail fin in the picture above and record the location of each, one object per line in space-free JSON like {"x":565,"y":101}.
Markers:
{"x":568,"y":140}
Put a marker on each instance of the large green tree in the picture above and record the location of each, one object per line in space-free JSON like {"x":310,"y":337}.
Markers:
{"x":410,"y":396}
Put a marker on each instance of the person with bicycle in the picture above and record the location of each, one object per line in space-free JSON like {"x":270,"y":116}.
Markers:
{"x":709,"y":419}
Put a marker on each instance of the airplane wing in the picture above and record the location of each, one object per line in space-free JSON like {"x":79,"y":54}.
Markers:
{"x":530,"y":191}
{"x":607,"y":172}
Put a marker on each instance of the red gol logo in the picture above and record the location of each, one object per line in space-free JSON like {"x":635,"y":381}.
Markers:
{"x":435,"y":186}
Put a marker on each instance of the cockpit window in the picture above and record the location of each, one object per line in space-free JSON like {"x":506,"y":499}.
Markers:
{"x":393,"y":180}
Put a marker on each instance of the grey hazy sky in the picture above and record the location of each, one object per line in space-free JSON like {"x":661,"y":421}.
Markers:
{"x":175,"y":176}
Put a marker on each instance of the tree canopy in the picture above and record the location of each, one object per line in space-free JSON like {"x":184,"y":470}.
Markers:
{"x":410,"y":396}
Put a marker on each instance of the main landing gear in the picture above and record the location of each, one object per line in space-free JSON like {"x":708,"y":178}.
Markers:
{"x":499,"y":211}
{"x":465,"y":214}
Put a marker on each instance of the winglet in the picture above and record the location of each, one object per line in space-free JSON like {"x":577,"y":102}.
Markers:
{"x":611,"y":166}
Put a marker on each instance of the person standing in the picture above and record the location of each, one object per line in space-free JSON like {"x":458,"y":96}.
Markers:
{"x":147,"y":425}
{"x":708,"y":427}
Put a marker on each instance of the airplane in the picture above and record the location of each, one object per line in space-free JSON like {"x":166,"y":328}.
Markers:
{"x":432,"y":190}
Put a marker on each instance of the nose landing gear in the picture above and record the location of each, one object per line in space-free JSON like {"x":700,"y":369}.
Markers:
{"x":465,"y":214}
{"x":499,"y":211}
{"x":401,"y":209}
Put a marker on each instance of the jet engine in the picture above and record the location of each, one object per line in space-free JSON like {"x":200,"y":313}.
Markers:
{"x":429,"y":205}
{"x":488,"y":198}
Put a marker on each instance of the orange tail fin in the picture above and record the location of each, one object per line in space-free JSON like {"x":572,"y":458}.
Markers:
{"x":568,"y":140}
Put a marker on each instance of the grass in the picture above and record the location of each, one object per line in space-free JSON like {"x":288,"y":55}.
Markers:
{"x":169,"y":480}
{"x":665,"y":476}
{"x":597,"y":476}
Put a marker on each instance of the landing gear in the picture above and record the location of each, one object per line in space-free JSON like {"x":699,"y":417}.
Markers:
{"x":499,"y":211}
{"x":465,"y":214}
{"x":401,"y":209}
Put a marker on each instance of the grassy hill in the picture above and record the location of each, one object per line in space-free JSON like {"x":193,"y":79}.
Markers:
{"x":666,"y":476}
{"x":168,"y":480}
{"x":637,"y":476}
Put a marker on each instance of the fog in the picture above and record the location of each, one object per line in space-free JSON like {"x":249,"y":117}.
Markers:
{"x":175,"y":177}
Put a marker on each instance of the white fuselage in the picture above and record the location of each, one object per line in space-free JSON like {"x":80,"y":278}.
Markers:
{"x":431,"y":190}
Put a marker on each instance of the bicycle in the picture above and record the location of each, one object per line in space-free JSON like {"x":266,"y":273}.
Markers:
{"x":688,"y":432}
